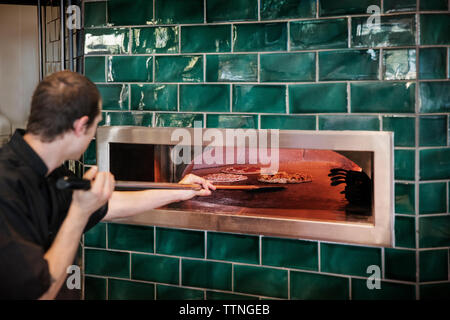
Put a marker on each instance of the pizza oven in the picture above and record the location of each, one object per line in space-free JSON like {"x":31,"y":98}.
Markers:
{"x":322,"y":185}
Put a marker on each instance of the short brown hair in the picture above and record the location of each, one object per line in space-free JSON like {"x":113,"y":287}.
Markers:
{"x":58,"y":101}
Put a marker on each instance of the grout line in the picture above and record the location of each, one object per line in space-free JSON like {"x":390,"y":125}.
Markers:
{"x":349,"y":109}
{"x":317,"y":66}
{"x":259,"y":10}
{"x":350,"y":293}
{"x":349,"y":32}
{"x":319,"y":261}
{"x":417,"y":154}
{"x":204,"y":11}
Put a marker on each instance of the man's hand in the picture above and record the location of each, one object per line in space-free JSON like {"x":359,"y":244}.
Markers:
{"x":207,"y":186}
{"x":102,"y":187}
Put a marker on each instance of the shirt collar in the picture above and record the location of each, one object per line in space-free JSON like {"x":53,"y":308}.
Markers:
{"x":26,"y":153}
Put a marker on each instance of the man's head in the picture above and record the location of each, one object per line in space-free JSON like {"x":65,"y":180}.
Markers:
{"x":58,"y":101}
{"x":65,"y":103}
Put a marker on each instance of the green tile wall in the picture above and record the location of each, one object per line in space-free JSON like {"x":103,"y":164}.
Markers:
{"x":278,"y":64}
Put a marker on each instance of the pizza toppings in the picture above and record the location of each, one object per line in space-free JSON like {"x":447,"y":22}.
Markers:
{"x":242,"y":170}
{"x":284,"y":177}
{"x":224,"y":177}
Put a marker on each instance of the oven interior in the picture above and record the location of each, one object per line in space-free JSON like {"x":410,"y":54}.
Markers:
{"x":350,"y":200}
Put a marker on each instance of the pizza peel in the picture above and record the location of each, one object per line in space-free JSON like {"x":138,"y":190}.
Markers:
{"x":71,"y":183}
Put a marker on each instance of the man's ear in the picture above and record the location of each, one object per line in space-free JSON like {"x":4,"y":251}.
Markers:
{"x":80,"y":126}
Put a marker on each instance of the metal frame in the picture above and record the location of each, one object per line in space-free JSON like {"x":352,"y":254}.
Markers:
{"x":380,"y":233}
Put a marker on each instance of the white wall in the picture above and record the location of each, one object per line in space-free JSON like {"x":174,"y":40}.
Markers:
{"x":19,"y":61}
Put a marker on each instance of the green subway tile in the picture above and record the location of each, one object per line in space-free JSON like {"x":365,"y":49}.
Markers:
{"x":153,"y":97}
{"x":180,"y":242}
{"x":433,"y":131}
{"x":435,"y":96}
{"x":399,"y":64}
{"x":94,"y":288}
{"x":206,"y":274}
{"x":232,"y":121}
{"x":288,"y":122}
{"x":96,"y":237}
{"x":399,"y":30}
{"x":352,"y":260}
{"x":349,"y":123}
{"x":404,"y":198}
{"x":400,"y":264}
{"x":271,"y":10}
{"x":114,"y":96}
{"x":432,"y":197}
{"x":216,"y":295}
{"x":205,"y":97}
{"x":129,"y":290}
{"x":289,"y":253}
{"x":232,"y":10}
{"x":399,"y":5}
{"x":261,"y":281}
{"x":177,"y":119}
{"x":318,"y":34}
{"x":107,"y":263}
{"x":404,"y":129}
{"x":438,"y":291}
{"x":129,"y":69}
{"x":404,"y":167}
{"x":345,"y":7}
{"x":129,"y":237}
{"x":387,"y":291}
{"x":435,"y":164}
{"x":94,"y":14}
{"x":106,"y":41}
{"x":312,"y":286}
{"x":128,"y":119}
{"x":175,"y":11}
{"x":206,"y":38}
{"x":177,"y":293}
{"x":429,"y":5}
{"x":90,"y":155}
{"x":179,"y":69}
{"x":154,"y":40}
{"x":433,"y":265}
{"x":434,"y":29}
{"x":349,"y":65}
{"x":155,"y":268}
{"x":260,"y":37}
{"x":94,"y":68}
{"x":405,"y":232}
{"x":392,"y":97}
{"x":281,"y":67}
{"x":233,"y":247}
{"x":434,"y":232}
{"x":432,"y":63}
{"x":231,"y":67}
{"x":322,"y":98}
{"x":125,"y":12}
{"x":259,"y":98}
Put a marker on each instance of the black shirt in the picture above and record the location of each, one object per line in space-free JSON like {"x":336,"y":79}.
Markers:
{"x":32,"y":210}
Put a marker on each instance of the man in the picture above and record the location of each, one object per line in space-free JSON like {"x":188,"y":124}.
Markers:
{"x":40,"y":226}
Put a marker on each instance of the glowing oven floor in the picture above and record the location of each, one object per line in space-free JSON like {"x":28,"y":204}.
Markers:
{"x":316,"y":200}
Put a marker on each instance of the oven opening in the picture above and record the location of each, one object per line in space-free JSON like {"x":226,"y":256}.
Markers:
{"x":323,"y":185}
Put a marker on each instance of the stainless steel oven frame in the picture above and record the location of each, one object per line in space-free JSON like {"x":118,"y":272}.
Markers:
{"x":380,"y":233}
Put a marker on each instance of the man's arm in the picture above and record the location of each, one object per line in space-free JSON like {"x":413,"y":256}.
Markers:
{"x":129,"y":203}
{"x":84,"y":203}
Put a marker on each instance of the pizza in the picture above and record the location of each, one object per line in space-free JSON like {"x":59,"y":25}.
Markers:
{"x":224,"y":177}
{"x":242,"y":170}
{"x":284,"y":177}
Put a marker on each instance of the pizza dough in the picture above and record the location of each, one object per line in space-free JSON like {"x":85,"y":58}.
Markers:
{"x":242,"y":170}
{"x":224,"y":177}
{"x":284,"y":177}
